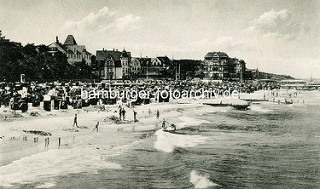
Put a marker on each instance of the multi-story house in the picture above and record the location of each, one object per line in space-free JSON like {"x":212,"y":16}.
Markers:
{"x":73,"y":51}
{"x":112,"y":64}
{"x":135,"y":67}
{"x":125,"y":59}
{"x":236,"y":69}
{"x":154,"y":67}
{"x":219,"y":66}
{"x":215,"y":65}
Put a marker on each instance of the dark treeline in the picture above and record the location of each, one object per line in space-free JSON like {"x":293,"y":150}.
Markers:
{"x":37,"y":64}
{"x":189,"y":68}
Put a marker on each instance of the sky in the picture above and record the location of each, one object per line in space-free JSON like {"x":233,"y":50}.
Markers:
{"x":279,"y":36}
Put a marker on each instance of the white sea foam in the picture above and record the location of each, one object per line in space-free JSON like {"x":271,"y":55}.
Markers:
{"x":188,"y":121}
{"x":167,"y":142}
{"x":259,"y":109}
{"x":46,"y":185}
{"x":200,"y":181}
{"x":55,"y":162}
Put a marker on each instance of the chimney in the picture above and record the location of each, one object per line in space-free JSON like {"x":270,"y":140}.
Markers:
{"x":116,"y":49}
{"x":113,"y":49}
{"x":102,"y":49}
{"x":57,"y":39}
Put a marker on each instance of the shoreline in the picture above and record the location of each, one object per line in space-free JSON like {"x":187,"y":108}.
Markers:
{"x":111,"y":140}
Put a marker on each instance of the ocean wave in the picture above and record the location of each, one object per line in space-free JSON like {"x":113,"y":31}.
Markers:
{"x":46,"y":185}
{"x":55,"y":162}
{"x":166,"y":142}
{"x":259,"y":109}
{"x":188,"y":121}
{"x":201,"y":181}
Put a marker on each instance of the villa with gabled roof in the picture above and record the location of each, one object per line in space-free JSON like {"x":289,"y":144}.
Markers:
{"x":74,"y":52}
{"x":113,"y":64}
{"x":219,"y":66}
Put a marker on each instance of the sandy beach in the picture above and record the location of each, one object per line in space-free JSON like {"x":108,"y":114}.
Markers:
{"x":25,"y":159}
{"x":78,"y":151}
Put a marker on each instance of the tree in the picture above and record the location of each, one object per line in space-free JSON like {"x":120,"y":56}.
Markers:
{"x":82,"y":70}
{"x":189,"y":68}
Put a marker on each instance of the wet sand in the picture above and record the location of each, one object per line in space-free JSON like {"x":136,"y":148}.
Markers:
{"x":84,"y":151}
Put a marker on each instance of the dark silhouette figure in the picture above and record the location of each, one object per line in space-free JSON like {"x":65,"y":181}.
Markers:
{"x":135,"y":116}
{"x":123,"y":114}
{"x":97,"y":127}
{"x":75,"y":121}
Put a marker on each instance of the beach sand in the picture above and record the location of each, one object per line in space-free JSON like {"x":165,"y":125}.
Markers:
{"x":23,"y":160}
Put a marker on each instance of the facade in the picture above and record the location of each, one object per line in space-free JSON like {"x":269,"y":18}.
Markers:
{"x":252,"y":74}
{"x":109,"y":70}
{"x":112,"y":64}
{"x":219,"y":66}
{"x":74,"y":52}
{"x":215,"y":65}
{"x":154,"y":67}
{"x":135,"y":67}
{"x":236,"y":69}
{"x":145,"y":64}
{"x":125,"y":60}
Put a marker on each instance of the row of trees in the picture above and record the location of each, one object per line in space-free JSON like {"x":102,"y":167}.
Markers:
{"x":37,"y":64}
{"x":189,"y":68}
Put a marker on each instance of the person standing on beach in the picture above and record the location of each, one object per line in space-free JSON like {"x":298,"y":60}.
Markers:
{"x":97,"y":127}
{"x":158,"y":114}
{"x":135,"y":116}
{"x":120,"y":112}
{"x":75,"y":121}
{"x":123,"y":114}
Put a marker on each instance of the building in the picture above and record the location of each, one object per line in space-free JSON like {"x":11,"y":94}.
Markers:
{"x":215,"y":65}
{"x":112,"y":64}
{"x":135,"y":67}
{"x":73,"y":51}
{"x":219,"y":66}
{"x":154,"y":67}
{"x":125,"y":60}
{"x":236,"y":69}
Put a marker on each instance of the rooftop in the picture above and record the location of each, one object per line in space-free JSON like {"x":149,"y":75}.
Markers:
{"x":219,"y":54}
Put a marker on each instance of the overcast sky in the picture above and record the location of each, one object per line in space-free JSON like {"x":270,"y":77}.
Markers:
{"x":275,"y":36}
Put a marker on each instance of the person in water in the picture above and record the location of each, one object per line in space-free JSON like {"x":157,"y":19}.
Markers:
{"x":164,"y":123}
{"x":173,"y":126}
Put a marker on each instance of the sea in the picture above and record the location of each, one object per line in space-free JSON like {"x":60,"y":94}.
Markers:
{"x":269,"y":146}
